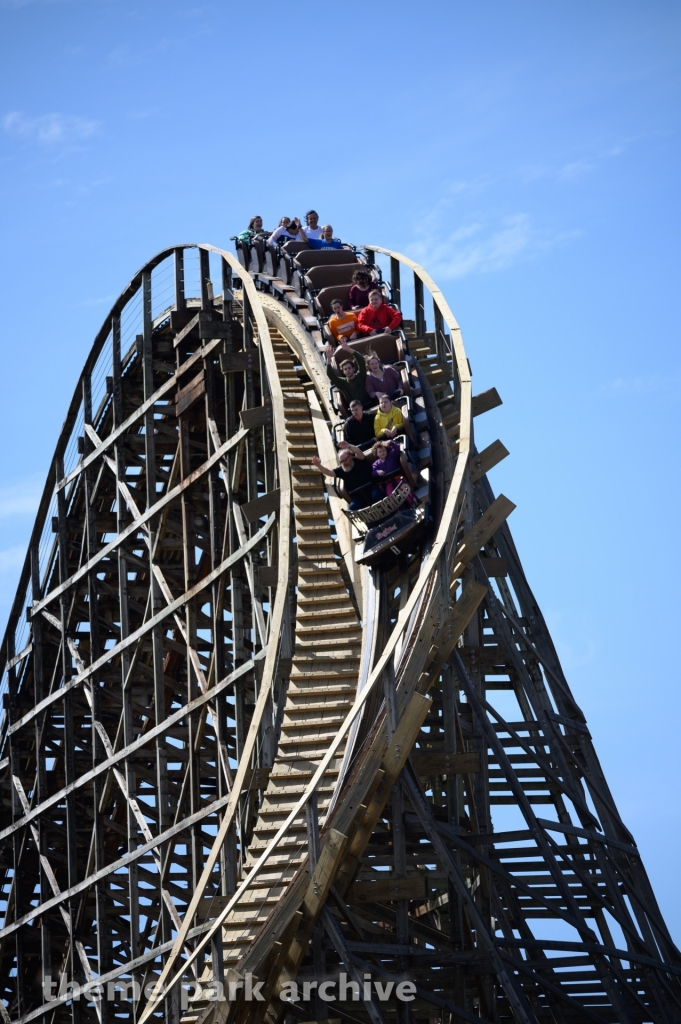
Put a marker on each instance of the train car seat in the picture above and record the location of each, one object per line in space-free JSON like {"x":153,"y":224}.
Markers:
{"x":388,"y":347}
{"x":322,"y":301}
{"x":323,"y":258}
{"x":320,"y":277}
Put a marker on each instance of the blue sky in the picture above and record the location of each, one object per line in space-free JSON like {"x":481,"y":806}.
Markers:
{"x":527,"y":153}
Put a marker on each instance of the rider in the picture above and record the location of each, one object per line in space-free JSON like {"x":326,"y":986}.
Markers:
{"x":359,"y":426}
{"x":312,"y":228}
{"x":341,"y":324}
{"x":287,"y":231}
{"x":325,"y":240}
{"x":350,"y":380}
{"x":354,"y":476}
{"x":389,"y":420}
{"x":378,"y":317}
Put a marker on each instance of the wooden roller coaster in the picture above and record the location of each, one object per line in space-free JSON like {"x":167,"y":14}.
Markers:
{"x":251,"y":773}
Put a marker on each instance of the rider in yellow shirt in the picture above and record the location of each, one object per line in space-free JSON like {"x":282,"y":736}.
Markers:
{"x":389,"y":421}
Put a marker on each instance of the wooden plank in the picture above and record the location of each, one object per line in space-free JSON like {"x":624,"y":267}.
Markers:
{"x":211,"y":906}
{"x":495,"y":566}
{"x":179,"y":318}
{"x":253,"y":510}
{"x":258,"y":417}
{"x":586,"y":833}
{"x":267,"y":575}
{"x":240,"y":362}
{"x":315,"y":894}
{"x":388,"y":889}
{"x":404,"y":737}
{"x":459,"y":617}
{"x":318,"y":889}
{"x":256,"y":778}
{"x":485,"y":401}
{"x":209,"y":329}
{"x":446,"y":764}
{"x":484,"y":528}
{"x":186,"y":330}
{"x":483,"y":461}
{"x":187,"y":396}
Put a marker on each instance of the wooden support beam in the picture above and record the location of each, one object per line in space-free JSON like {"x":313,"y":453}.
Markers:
{"x":485,"y":401}
{"x":482,"y":462}
{"x":481,"y":532}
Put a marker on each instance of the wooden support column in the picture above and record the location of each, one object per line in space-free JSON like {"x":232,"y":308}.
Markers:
{"x":399,"y":843}
{"x":156,"y":599}
{"x":19,"y":837}
{"x":206,"y":283}
{"x":193,"y":686}
{"x":180,"y":302}
{"x":419,"y":308}
{"x":99,"y":753}
{"x":478,"y":794}
{"x":395,"y":280}
{"x":444,"y":358}
{"x":216,"y":538}
{"x":41,"y":779}
{"x":126,"y":694}
{"x":68,"y":740}
{"x":313,"y":844}
{"x":454,"y":795}
{"x":229,"y":853}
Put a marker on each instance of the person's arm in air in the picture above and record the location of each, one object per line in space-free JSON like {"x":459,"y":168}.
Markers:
{"x":317,"y":463}
{"x":332,"y":373}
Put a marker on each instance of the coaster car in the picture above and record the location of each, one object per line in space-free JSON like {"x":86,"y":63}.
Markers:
{"x":390,"y":527}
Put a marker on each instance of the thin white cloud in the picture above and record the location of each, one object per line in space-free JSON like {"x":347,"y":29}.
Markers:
{"x":49,"y":129}
{"x":645,"y":384}
{"x":473,"y":248}
{"x":570,"y":170}
{"x":21,"y":498}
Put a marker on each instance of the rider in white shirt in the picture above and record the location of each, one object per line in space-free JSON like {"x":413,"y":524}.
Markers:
{"x":312,"y":228}
{"x":287,"y":230}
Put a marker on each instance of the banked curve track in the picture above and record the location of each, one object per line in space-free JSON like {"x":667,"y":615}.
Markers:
{"x":232,"y":754}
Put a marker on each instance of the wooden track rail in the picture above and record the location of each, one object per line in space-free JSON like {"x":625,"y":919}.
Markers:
{"x":231,"y":758}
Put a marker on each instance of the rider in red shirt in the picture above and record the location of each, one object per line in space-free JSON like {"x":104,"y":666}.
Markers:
{"x":378,"y":317}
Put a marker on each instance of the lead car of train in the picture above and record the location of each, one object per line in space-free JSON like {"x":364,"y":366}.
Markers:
{"x":306,"y":280}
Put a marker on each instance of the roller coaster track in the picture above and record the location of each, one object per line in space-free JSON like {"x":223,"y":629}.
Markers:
{"x":232,"y":758}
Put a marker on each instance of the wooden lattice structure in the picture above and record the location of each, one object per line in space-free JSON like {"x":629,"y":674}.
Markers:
{"x":230,"y":751}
